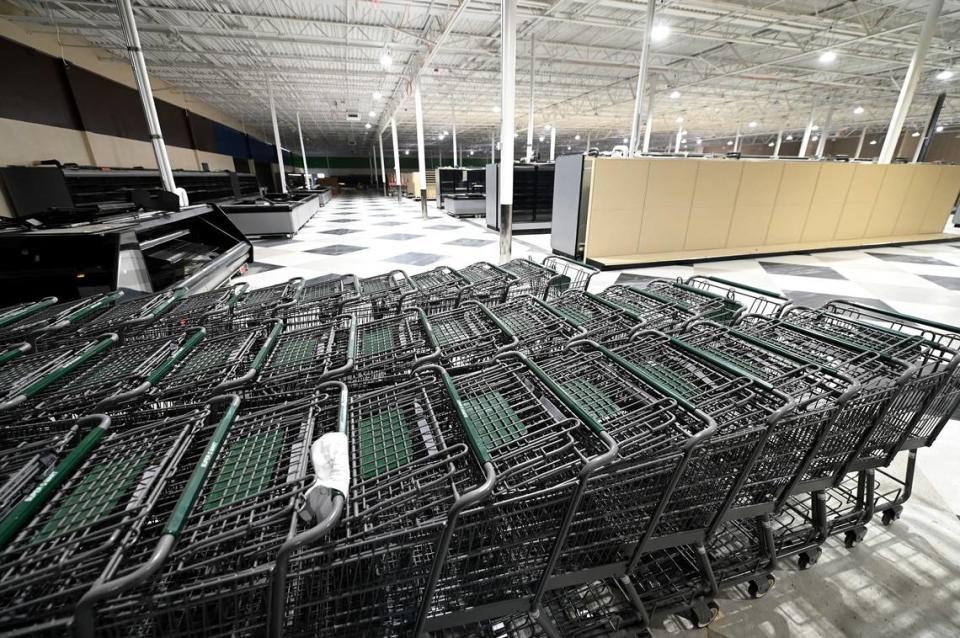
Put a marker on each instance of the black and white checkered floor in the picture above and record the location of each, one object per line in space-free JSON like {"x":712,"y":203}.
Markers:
{"x":906,"y":579}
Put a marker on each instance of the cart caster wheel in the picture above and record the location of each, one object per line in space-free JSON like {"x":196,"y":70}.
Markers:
{"x":809,"y":557}
{"x":702,"y":613}
{"x":854,"y":536}
{"x":758,"y":587}
{"x":891,"y":515}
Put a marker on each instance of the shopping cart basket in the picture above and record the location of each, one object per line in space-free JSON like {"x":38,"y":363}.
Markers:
{"x":388,"y":350}
{"x":41,"y":319}
{"x":601,"y":320}
{"x":192,"y":311}
{"x":490,"y":285}
{"x":539,"y":329}
{"x":379,"y":296}
{"x":543,"y":282}
{"x":577,"y":272}
{"x":91,"y":508}
{"x":470,"y":336}
{"x":756,"y":301}
{"x":255,"y":307}
{"x":437,"y":290}
{"x":12,"y":314}
{"x":722,"y":308}
{"x":303,"y":358}
{"x":658,"y":312}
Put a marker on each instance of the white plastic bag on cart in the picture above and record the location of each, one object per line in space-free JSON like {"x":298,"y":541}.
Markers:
{"x":331,"y":466}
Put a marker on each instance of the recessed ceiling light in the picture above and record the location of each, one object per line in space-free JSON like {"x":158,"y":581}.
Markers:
{"x":368,"y":125}
{"x":729,"y":142}
{"x":828,"y":57}
{"x":679,"y":119}
{"x":495,"y":109}
{"x":377,"y":95}
{"x":626,"y":141}
{"x":815,"y":138}
{"x":699,"y":140}
{"x":674,"y":95}
{"x":915,"y":134}
{"x":872,"y":142}
{"x":659,"y":32}
{"x":576,"y":137}
{"x":683,"y":140}
{"x":770,"y":144}
{"x":471,"y":152}
{"x":858,"y":110}
{"x":445,"y":133}
{"x":386,"y":60}
{"x":568,"y":148}
{"x":541,"y":138}
{"x":940,"y":129}
{"x":440,"y":137}
{"x":945,"y":75}
{"x":752,"y":125}
{"x":406,"y":152}
{"x":372,"y":114}
{"x":546,"y":127}
{"x":789,"y":138}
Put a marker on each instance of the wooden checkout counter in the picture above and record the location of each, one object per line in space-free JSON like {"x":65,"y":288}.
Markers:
{"x":622,"y":212}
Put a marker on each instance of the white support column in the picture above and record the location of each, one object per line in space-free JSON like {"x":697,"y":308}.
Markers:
{"x":421,"y":157}
{"x":383,"y":164}
{"x":276,"y":137}
{"x":303,"y":155}
{"x":376,"y":175}
{"x":533,"y":67}
{"x":863,"y":135}
{"x":139,"y":65}
{"x":396,"y":155}
{"x":588,"y":142}
{"x":508,"y":70}
{"x":676,"y":143}
{"x":736,"y":141}
{"x":493,"y":147}
{"x":642,"y":81}
{"x":824,"y":132}
{"x":806,"y":132}
{"x":776,"y":145}
{"x":455,"y":156}
{"x":553,"y":143}
{"x":649,"y":127}
{"x":909,"y":87}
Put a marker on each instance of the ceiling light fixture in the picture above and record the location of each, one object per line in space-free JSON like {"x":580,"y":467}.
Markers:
{"x":752,"y":125}
{"x":674,"y":95}
{"x":625,"y":140}
{"x":915,"y":134}
{"x":729,"y":142}
{"x":541,"y":138}
{"x":699,"y":140}
{"x":659,"y":32}
{"x":940,"y":129}
{"x":679,"y":119}
{"x":377,"y":95}
{"x":828,"y":57}
{"x":471,"y":152}
{"x":406,"y":152}
{"x":770,"y":144}
{"x":546,"y":127}
{"x":872,"y":142}
{"x":945,"y":75}
{"x":368,"y":125}
{"x":814,"y":128}
{"x":576,"y":137}
{"x":858,"y":110}
{"x":790,"y":138}
{"x":372,"y":114}
{"x":568,"y":148}
{"x":386,"y":60}
{"x":815,"y":138}
{"x":495,"y":109}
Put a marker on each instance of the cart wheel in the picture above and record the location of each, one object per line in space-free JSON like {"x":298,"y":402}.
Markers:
{"x":702,"y":613}
{"x":758,"y":587}
{"x":854,"y":536}
{"x":809,"y":557}
{"x":892,"y":514}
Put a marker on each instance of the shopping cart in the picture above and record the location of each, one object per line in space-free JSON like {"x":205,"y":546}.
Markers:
{"x":539,"y":329}
{"x":125,"y":318}
{"x":577,"y":272}
{"x":118,"y":380}
{"x":12,"y":314}
{"x":255,"y":307}
{"x":412,"y":475}
{"x":437,"y":290}
{"x":756,"y":301}
{"x":490,"y":285}
{"x":470,"y":336}
{"x":92,"y":508}
{"x":42,"y":319}
{"x":221,"y":543}
{"x":658,"y":312}
{"x":722,"y":308}
{"x":217,"y":365}
{"x":379,"y":296}
{"x":303,"y":358}
{"x":388,"y":350}
{"x":24,"y":375}
{"x":543,"y":282}
{"x":601,"y":320}
{"x":192,"y":311}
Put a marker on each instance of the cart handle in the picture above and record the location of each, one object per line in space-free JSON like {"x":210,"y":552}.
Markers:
{"x":644,"y":292}
{"x":427,"y":329}
{"x":236,"y":293}
{"x":258,"y":361}
{"x":106,"y":341}
{"x":720,"y":363}
{"x":736,"y":284}
{"x":196,"y":334}
{"x":106,"y":300}
{"x":896,"y":315}
{"x":177,"y":295}
{"x":506,"y":273}
{"x":496,"y":321}
{"x":38,"y":497}
{"x":16,"y":315}
{"x":470,"y":428}
{"x":14,"y":352}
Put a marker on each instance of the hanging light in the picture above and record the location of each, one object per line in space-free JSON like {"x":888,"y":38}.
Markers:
{"x":789,"y":138}
{"x":445,"y":133}
{"x":386,"y":60}
{"x":814,"y":128}
{"x":858,"y":110}
{"x":674,"y":94}
{"x":576,"y":137}
{"x":625,"y":140}
{"x":945,"y":75}
{"x":368,"y":125}
{"x":699,"y":140}
{"x":915,"y":134}
{"x":872,"y":142}
{"x":679,"y":119}
{"x":828,"y":57}
{"x":815,"y":138}
{"x":659,"y":32}
{"x":377,"y":95}
{"x":752,"y":125}
{"x":568,"y":148}
{"x":541,"y":138}
{"x":940,"y":129}
{"x":471,"y":152}
{"x":770,"y":144}
{"x":729,"y":142}
{"x":547,"y":127}
{"x":372,"y":114}
{"x":406,"y":152}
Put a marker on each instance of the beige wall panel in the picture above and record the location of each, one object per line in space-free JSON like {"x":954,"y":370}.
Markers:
{"x":216,"y":161}
{"x":917,"y":201}
{"x":861,"y":198}
{"x":942,"y":200}
{"x":797,"y":184}
{"x":893,"y":190}
{"x":713,"y":202}
{"x":117,"y":151}
{"x":666,"y":208}
{"x":26,"y":143}
{"x":756,"y":196}
{"x":180,"y":158}
{"x":616,"y":196}
{"x":826,"y":207}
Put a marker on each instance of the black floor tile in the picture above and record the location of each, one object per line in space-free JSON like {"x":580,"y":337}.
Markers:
{"x":415,"y":259}
{"x":950,"y":283}
{"x":340,"y":231}
{"x":468,"y":241}
{"x":816,"y":299}
{"x":911,"y":259}
{"x":800,"y":270}
{"x":335,"y":249}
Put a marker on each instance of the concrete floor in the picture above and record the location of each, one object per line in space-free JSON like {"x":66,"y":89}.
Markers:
{"x":903,"y":580}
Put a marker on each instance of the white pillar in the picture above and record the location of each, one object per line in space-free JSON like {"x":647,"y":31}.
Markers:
{"x":508,"y":69}
{"x":822,"y":142}
{"x":649,"y":127}
{"x":914,"y":71}
{"x":376,"y":176}
{"x":863,"y":135}
{"x":553,"y":143}
{"x":588,"y":142}
{"x":455,"y":156}
{"x":383,"y":164}
{"x":139,"y":65}
{"x":303,"y":154}
{"x":736,"y":141}
{"x":533,"y":66}
{"x":396,"y":155}
{"x":776,"y":146}
{"x":806,"y":133}
{"x":421,"y":157}
{"x":493,"y":147}
{"x":276,"y":137}
{"x":676,"y":144}
{"x":641,"y":79}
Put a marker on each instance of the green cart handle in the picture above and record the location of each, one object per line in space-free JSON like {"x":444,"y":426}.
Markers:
{"x":897,"y":315}
{"x":82,"y":313}
{"x":470,"y":428}
{"x":16,"y":315}
{"x":502,"y":327}
{"x":257,"y":364}
{"x":343,"y":405}
{"x":237,"y":293}
{"x":24,"y":511}
{"x":643,"y":292}
{"x":747,"y":287}
{"x":428,"y":330}
{"x":14,"y":352}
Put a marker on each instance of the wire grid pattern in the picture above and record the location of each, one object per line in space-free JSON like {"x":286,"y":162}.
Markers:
{"x":737,"y":550}
{"x":467,"y":337}
{"x":212,"y":362}
{"x":113,"y":320}
{"x":599,"y":320}
{"x":536,"y":280}
{"x":657,"y":313}
{"x":302,"y":358}
{"x":670,"y":579}
{"x":754,"y":302}
{"x":388,"y":350}
{"x":19,"y":373}
{"x":593,"y":610}
{"x":322,"y":291}
{"x":32,"y":325}
{"x":539,"y":332}
{"x":488,"y":284}
{"x":704,"y":303}
{"x":575,"y":275}
{"x":97,"y":512}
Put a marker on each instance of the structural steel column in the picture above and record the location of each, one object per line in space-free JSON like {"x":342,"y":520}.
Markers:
{"x":455,"y":156}
{"x":822,"y":142}
{"x":139,"y":65}
{"x":421,"y":158}
{"x":508,"y":70}
{"x":776,"y":146}
{"x":303,"y":154}
{"x":276,"y":137}
{"x":376,"y":175}
{"x":863,"y":135}
{"x":533,"y":66}
{"x":493,"y":147}
{"x":649,"y":127}
{"x":396,"y":154}
{"x":383,"y":165}
{"x":806,"y":133}
{"x":914,"y":71}
{"x":553,"y":143}
{"x":641,"y":79}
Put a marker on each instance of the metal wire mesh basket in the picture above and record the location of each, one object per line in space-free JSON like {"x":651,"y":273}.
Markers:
{"x":438,"y":290}
{"x":755,"y":300}
{"x":489,"y":284}
{"x":578,"y":273}
{"x":191,"y":312}
{"x":255,"y":307}
{"x":707,"y":304}
{"x":540,"y":281}
{"x":43,"y":319}
{"x":539,"y":329}
{"x":470,"y":336}
{"x":658,"y":313}
{"x":388,"y":350}
{"x":303,"y":358}
{"x":601,"y":320}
